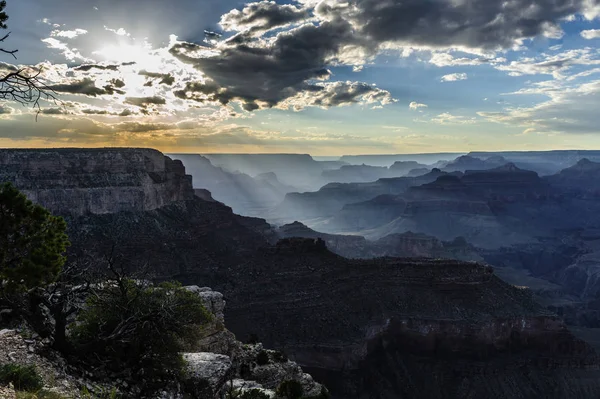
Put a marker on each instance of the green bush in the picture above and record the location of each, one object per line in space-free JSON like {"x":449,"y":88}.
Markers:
{"x":24,"y":378}
{"x":137,"y":331}
{"x":262,"y":358}
{"x":32,"y":242}
{"x":290,"y":390}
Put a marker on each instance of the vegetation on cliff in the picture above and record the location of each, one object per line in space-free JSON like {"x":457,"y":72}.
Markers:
{"x":32,"y":242}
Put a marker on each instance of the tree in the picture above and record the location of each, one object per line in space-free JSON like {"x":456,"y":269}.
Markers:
{"x":21,"y":84}
{"x":32,"y":242}
{"x":290,"y":389}
{"x":136,"y":330}
{"x":3,"y":16}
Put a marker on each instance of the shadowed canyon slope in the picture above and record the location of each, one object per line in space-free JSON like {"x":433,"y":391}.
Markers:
{"x":379,"y":328}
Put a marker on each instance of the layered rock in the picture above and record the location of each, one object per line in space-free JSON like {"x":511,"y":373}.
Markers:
{"x":332,"y":197}
{"x":434,"y":318}
{"x":245,"y":194}
{"x":96,"y":181}
{"x":404,"y":245}
{"x":582,"y":177}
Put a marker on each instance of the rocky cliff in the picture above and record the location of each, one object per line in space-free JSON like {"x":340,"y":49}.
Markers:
{"x":96,"y":181}
{"x":400,"y":328}
{"x":216,"y":366}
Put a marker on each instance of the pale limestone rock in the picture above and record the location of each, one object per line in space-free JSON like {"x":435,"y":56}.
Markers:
{"x":207,"y":372}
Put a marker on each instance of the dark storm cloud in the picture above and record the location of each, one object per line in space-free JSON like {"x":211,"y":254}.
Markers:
{"x":345,"y":93}
{"x":145,"y":101}
{"x":484,"y":24}
{"x":118,"y":83}
{"x":165,"y":78}
{"x":263,"y":16}
{"x":266,"y":74}
{"x":89,"y":67}
{"x":86,"y":86}
{"x":4,"y":67}
{"x":53,"y":111}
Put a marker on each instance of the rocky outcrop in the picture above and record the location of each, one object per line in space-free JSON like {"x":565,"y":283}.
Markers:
{"x":406,"y":245}
{"x":433,"y":319}
{"x":222,"y":366}
{"x":467,"y":162}
{"x":96,"y":181}
{"x":225,"y":365}
{"x":581,"y":178}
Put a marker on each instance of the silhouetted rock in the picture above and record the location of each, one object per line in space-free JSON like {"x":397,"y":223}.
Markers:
{"x":334,"y":196}
{"x":583,"y":177}
{"x":356,"y":174}
{"x":246,"y":195}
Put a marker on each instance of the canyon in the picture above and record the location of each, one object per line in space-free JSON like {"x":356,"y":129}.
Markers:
{"x":368,"y":328}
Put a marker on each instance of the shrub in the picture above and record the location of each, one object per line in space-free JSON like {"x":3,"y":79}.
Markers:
{"x":252,"y":339}
{"x":32,"y":241}
{"x":134,"y":326}
{"x":324,"y":394}
{"x":24,"y":378}
{"x":262,"y":358}
{"x":290,"y":390}
{"x":280,"y":357}
{"x":41,"y":395}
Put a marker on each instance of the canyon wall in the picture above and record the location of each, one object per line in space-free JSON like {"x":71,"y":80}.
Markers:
{"x":96,"y":181}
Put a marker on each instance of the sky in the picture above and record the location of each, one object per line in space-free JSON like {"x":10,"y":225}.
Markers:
{"x":324,"y":77}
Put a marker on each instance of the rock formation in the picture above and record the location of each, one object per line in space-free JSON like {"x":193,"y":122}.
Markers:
{"x":245,"y":194}
{"x":216,"y":365}
{"x":96,"y":181}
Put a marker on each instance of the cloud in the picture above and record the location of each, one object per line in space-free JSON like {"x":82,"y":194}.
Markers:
{"x":143,"y":102}
{"x":165,"y":78}
{"x":69,"y":34}
{"x":448,"y":119}
{"x":440,"y":59}
{"x":453,"y":77}
{"x":70,"y":54}
{"x":53,"y":111}
{"x":557,"y":65}
{"x":415,"y":105}
{"x":86,"y":86}
{"x":89,"y":67}
{"x":263,"y":16}
{"x":476,"y":24}
{"x":591,"y":34}
{"x":5,"y":109}
{"x":262,"y":76}
{"x":118,"y":32}
{"x":568,"y":109}
{"x":326,"y":95}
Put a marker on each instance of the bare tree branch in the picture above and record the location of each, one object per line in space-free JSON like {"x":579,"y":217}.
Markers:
{"x":11,"y":52}
{"x":24,"y":85}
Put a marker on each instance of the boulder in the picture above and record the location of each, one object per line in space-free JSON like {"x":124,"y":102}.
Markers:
{"x":205,"y":373}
